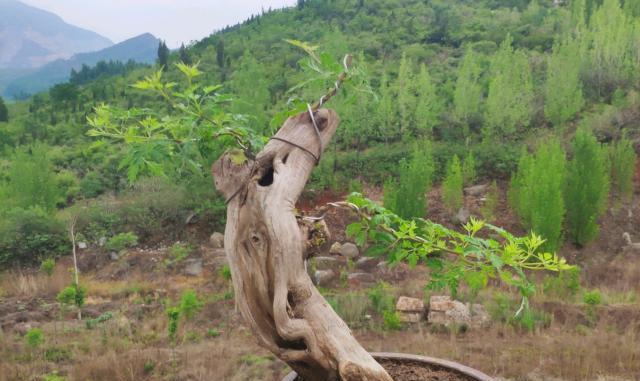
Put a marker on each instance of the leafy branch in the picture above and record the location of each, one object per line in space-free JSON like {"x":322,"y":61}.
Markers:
{"x":453,"y":257}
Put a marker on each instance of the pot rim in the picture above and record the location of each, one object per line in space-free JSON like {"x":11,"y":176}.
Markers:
{"x":450,"y":365}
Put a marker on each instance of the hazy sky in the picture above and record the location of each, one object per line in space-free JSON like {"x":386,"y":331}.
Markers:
{"x":175,"y":21}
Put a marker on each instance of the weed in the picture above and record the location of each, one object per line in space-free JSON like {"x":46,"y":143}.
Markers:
{"x":391,"y":321}
{"x":122,"y":241}
{"x":177,"y":253}
{"x":213,"y":332}
{"x":34,"y":338}
{"x":190,"y":304}
{"x":47,"y":266}
{"x":380,"y":297}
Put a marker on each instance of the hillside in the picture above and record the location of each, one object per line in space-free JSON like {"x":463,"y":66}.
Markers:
{"x":141,"y":49}
{"x":31,"y":37}
{"x":521,"y":113}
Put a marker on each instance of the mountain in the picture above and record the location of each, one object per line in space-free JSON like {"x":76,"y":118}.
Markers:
{"x":31,"y":37}
{"x":141,"y":49}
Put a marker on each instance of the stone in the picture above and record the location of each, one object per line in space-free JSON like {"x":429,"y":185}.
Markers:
{"x":102,"y":241}
{"x":410,"y":317}
{"x":443,"y":310}
{"x":193,"y":267}
{"x":323,"y":278}
{"x":407,"y":304}
{"x":82,"y":245}
{"x":335,"y":248}
{"x":361,"y":278}
{"x":349,"y":250}
{"x":326,"y":263}
{"x":479,"y":316}
{"x":366,"y":263}
{"x":217,"y":240}
{"x":114,"y":256}
{"x":476,"y":190}
{"x":462,"y":216}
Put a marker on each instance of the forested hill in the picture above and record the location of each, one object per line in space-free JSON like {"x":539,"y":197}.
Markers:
{"x":477,"y":79}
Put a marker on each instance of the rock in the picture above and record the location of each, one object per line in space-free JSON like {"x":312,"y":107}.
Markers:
{"x":335,"y":248}
{"x":479,"y":316}
{"x":326,"y":263}
{"x":361,"y":278}
{"x":102,"y":241}
{"x":114,"y":256}
{"x":630,"y":244}
{"x":443,"y":310}
{"x":193,"y":267}
{"x":82,"y":245}
{"x":462,"y":216}
{"x":217,"y":240}
{"x":366,"y":263}
{"x":382,"y":266}
{"x":349,"y":250}
{"x":476,"y":190}
{"x":323,"y":278}
{"x":411,"y":310}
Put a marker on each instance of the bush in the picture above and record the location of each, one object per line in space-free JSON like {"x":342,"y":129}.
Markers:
{"x":564,"y":285}
{"x":122,"y":241}
{"x":47,"y":266}
{"x":587,"y":187}
{"x":190,"y":304}
{"x":34,"y":338}
{"x":623,"y":160}
{"x":592,"y":298}
{"x":91,"y":185}
{"x":536,"y":192}
{"x":29,"y":235}
{"x":391,"y":321}
{"x":177,"y":254}
{"x":381,"y":298}
{"x":452,"y":185}
{"x":72,"y":295}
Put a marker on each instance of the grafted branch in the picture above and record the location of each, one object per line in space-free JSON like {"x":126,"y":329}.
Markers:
{"x":265,"y":248}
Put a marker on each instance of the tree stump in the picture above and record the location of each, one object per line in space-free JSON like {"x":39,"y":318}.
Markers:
{"x":265,"y":246}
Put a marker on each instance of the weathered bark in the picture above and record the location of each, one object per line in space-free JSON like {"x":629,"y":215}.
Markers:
{"x":265,"y":247}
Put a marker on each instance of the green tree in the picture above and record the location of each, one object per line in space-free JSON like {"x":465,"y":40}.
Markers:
{"x":536,"y":192}
{"x":509,"y":102}
{"x":467,"y":97}
{"x":184,"y":55}
{"x":220,"y":57}
{"x":4,"y":111}
{"x":469,"y":174}
{"x":563,"y":88}
{"x":587,"y":187}
{"x":250,"y":83}
{"x":163,"y":55}
{"x":405,"y":92}
{"x":408,"y":197}
{"x":386,"y":110}
{"x":452,"y":185}
{"x":428,"y":106}
{"x":31,"y":180}
{"x":623,"y":160}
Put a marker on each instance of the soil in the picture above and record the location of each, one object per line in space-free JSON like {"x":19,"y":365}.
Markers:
{"x":406,"y":370}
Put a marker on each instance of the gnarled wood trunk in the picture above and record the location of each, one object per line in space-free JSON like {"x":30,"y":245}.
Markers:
{"x":265,"y":247}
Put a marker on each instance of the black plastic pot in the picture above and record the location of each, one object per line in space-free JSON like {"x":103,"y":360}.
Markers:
{"x":431,"y":362}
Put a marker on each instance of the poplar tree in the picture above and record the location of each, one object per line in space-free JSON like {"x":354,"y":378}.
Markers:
{"x":405,"y":96}
{"x":452,"y":185}
{"x":624,"y":161}
{"x":587,"y":187}
{"x":428,"y":106}
{"x":468,"y":92}
{"x":536,"y":192}
{"x":509,"y":102}
{"x":163,"y":55}
{"x":563,"y":88}
{"x":4,"y":111}
{"x":385,"y":115}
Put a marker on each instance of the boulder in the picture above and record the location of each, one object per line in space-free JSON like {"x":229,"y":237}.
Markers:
{"x":217,"y":240}
{"x":359,"y":278}
{"x":479,"y":316}
{"x":476,"y":190}
{"x":335,"y":248}
{"x":443,"y":310}
{"x":411,"y":310}
{"x":366,"y":263}
{"x":323,"y":278}
{"x":463,"y":215}
{"x":102,"y":241}
{"x":114,"y":256}
{"x":193,"y":267}
{"x":349,"y":250}
{"x":82,"y":245}
{"x":326,"y":263}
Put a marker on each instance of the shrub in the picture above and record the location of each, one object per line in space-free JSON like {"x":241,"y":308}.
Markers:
{"x":469,"y":174}
{"x":91,"y":185}
{"x":491,"y":201}
{"x":592,"y":298}
{"x":34,"y":338}
{"x":408,"y":197}
{"x":452,"y":185}
{"x":177,"y":254}
{"x":122,"y":241}
{"x":623,"y":160}
{"x":173,"y":313}
{"x":190,"y":304}
{"x":225,"y":272}
{"x":564,"y":285}
{"x":351,"y":307}
{"x":47,"y":266}
{"x":391,"y":321}
{"x":28,"y":235}
{"x":72,"y":295}
{"x":587,"y":187}
{"x":536,"y":192}
{"x":381,"y":298}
